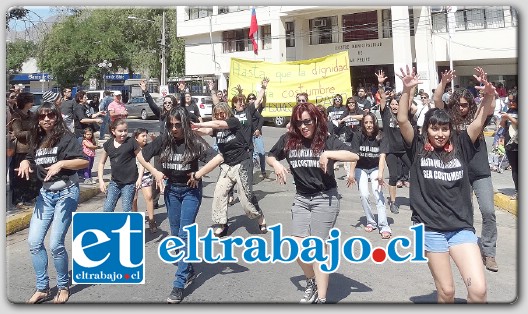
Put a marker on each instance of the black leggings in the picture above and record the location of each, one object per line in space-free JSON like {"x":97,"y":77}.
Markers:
{"x":513,"y":159}
{"x":393,"y":163}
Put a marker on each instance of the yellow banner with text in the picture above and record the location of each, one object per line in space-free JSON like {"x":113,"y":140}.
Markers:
{"x":320,"y":78}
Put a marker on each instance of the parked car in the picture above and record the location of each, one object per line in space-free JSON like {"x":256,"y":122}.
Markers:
{"x":205,"y":104}
{"x":138,"y":106}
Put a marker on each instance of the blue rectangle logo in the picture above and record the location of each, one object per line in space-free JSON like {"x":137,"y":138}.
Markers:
{"x":108,"y":248}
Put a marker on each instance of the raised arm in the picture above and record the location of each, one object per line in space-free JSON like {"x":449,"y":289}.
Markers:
{"x":409,"y":80}
{"x":260,"y":96}
{"x":150,"y":101}
{"x":381,"y":88}
{"x":487,"y":106}
{"x":216,"y":100}
{"x":447,"y":76}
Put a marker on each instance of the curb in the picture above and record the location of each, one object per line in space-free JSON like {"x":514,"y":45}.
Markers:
{"x":20,"y":221}
{"x":504,"y":202}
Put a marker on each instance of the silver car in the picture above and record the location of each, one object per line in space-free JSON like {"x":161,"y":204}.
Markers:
{"x":138,"y":106}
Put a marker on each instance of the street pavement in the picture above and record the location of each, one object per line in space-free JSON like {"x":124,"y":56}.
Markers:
{"x":279,"y":283}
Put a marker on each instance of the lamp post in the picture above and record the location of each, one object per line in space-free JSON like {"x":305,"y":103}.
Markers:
{"x":105,"y":65}
{"x":163,"y":79}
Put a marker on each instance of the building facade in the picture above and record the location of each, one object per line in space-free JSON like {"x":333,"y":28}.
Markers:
{"x":376,"y":38}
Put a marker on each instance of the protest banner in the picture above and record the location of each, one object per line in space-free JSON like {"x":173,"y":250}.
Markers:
{"x":320,"y":78}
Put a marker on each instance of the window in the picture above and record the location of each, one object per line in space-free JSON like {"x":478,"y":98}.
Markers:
{"x":494,"y":17}
{"x":236,"y":40}
{"x":290,"y":34}
{"x":514,"y":17}
{"x":233,"y":8}
{"x":439,"y":22}
{"x":471,"y":18}
{"x":199,"y":12}
{"x":324,"y":30}
{"x":360,"y":26}
{"x":266,"y":36}
{"x":386,"y":17}
{"x":475,"y":18}
{"x":411,"y":22}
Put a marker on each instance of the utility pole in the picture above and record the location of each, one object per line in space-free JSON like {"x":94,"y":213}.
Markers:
{"x":163,"y":61}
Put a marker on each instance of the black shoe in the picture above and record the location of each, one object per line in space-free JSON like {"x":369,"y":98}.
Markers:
{"x":156,"y":205}
{"x":394,"y":208}
{"x":176,"y":296}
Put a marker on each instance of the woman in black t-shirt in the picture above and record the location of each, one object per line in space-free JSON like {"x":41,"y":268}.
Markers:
{"x":180,"y":150}
{"x":54,"y":156}
{"x":440,"y":195}
{"x":311,"y":153}
{"x":462,"y":107}
{"x":370,"y":147}
{"x":236,"y":169}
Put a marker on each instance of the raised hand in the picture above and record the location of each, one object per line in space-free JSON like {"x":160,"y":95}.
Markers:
{"x":409,"y":78}
{"x":481,"y":77}
{"x":265,"y":82}
{"x":210,"y":84}
{"x":448,"y":76}
{"x":143,"y":85}
{"x":239,"y":89}
{"x":381,"y":77}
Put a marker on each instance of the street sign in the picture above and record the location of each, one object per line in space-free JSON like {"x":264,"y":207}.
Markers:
{"x":93,"y":84}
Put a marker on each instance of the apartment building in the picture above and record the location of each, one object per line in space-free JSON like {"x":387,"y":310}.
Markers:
{"x":376,"y":38}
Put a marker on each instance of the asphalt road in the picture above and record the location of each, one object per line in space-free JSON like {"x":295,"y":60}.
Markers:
{"x":242,"y":282}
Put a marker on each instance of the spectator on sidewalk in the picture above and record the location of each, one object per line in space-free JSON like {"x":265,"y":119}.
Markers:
{"x":117,"y":109}
{"x":103,"y":107}
{"x":89,"y":145}
{"x":509,"y":121}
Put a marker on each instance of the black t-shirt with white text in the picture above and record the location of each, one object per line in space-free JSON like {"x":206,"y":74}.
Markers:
{"x":304,"y":164}
{"x":250,"y":120}
{"x":174,"y":169}
{"x":345,"y":131}
{"x":440,"y":195}
{"x":335,"y":113}
{"x":67,"y":148}
{"x":123,"y":160}
{"x":368,"y":150}
{"x":391,"y":130}
{"x":232,"y":143}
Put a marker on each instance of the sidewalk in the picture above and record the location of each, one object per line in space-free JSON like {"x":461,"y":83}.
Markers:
{"x":19,"y":219}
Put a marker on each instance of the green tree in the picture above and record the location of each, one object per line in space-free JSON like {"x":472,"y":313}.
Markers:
{"x":75,"y":46}
{"x":17,"y":53}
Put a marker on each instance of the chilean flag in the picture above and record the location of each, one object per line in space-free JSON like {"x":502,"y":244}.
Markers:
{"x":253,"y":28}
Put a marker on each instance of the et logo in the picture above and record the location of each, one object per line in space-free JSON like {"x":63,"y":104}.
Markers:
{"x":108,"y":248}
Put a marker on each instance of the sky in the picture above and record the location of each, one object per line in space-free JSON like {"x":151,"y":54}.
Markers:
{"x":37,"y":14}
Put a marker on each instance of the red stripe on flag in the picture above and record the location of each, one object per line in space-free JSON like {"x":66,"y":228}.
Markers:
{"x":253,"y":28}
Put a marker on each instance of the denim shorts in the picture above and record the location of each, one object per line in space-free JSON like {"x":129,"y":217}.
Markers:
{"x":441,"y":241}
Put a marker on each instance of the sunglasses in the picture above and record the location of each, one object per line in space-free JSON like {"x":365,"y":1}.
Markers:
{"x":301,"y":100}
{"x":177,"y":125}
{"x":251,"y":98}
{"x":423,"y":97}
{"x":167,"y":102}
{"x":338,"y":99}
{"x":218,"y":114}
{"x":50,"y":115}
{"x":301,"y":122}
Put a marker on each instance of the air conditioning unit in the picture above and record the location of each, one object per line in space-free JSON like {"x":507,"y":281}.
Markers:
{"x":319,"y":23}
{"x":437,"y":9}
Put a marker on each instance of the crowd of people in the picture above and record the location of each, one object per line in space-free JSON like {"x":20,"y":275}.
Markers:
{"x":55,"y":148}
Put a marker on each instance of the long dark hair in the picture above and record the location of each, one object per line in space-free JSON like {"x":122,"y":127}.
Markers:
{"x":194,"y":144}
{"x":296,"y":139}
{"x":376,"y":131}
{"x":453,"y":108}
{"x":438,"y":117}
{"x":39,"y":137}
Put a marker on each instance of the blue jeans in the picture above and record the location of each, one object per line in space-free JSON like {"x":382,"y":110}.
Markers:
{"x":53,"y":208}
{"x":182,"y":204}
{"x":259,"y":152}
{"x":483,"y":189}
{"x":104,"y":126}
{"x":114,"y":191}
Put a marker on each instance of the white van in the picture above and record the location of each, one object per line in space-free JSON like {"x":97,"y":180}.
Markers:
{"x":96,"y":95}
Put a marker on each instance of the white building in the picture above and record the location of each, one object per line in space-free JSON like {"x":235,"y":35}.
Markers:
{"x":376,"y":38}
